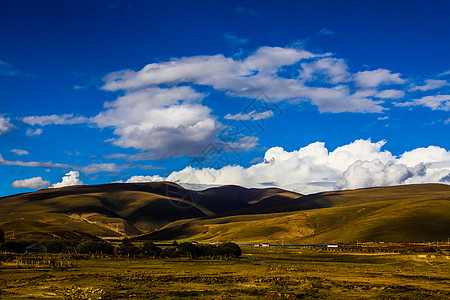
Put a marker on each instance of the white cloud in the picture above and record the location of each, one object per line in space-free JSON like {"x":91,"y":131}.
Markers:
{"x":5,"y":125}
{"x":430,"y":154}
{"x":31,"y":132}
{"x":31,"y":183}
{"x":390,"y":94}
{"x":436,"y":102}
{"x":253,"y":115}
{"x":37,"y":164}
{"x":167,"y":122}
{"x":101,"y":167}
{"x":253,"y":75}
{"x":313,"y":168}
{"x":71,"y":178}
{"x":334,"y":70}
{"x":19,"y":151}
{"x":372,"y":79}
{"x":89,"y":169}
{"x":54,"y":120}
{"x":374,"y":173}
{"x":430,"y":84}
{"x":445,"y":73}
{"x":137,"y":179}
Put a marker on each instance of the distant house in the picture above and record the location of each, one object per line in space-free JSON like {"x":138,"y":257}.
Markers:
{"x":36,"y":248}
{"x":261,"y":245}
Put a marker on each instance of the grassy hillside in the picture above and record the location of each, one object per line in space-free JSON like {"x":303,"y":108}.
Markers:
{"x":119,"y":209}
{"x":410,"y":213}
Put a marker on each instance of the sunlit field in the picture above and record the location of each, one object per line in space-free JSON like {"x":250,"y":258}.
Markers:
{"x":263,"y":272}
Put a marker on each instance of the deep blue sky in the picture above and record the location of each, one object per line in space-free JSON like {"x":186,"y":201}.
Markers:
{"x":54,"y":56}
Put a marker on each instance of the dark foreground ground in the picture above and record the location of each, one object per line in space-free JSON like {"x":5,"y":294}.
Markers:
{"x":261,"y":273}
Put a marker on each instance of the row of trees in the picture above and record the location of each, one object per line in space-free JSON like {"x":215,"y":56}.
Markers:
{"x":147,"y":249}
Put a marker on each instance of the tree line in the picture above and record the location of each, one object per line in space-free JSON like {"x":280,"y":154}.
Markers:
{"x":127,"y":248}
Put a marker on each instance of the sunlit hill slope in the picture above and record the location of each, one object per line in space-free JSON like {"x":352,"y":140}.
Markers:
{"x":166,"y":211}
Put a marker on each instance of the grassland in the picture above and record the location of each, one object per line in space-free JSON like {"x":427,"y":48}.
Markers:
{"x":413,"y":219}
{"x":121,"y":209}
{"x":270,"y":273}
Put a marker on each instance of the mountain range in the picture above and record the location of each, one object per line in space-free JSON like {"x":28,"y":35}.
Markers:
{"x":167,"y":211}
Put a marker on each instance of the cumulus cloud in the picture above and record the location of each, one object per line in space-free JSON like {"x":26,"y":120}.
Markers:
{"x":390,"y":94}
{"x":19,"y":151}
{"x":332,"y":69}
{"x":161,"y":112}
{"x":54,"y":120}
{"x":435,"y":102}
{"x":430,"y":84}
{"x":31,"y":183}
{"x":375,"y":78}
{"x":71,"y":178}
{"x":259,"y":73}
{"x":5,"y":125}
{"x":376,"y":173}
{"x":314,"y":168}
{"x":166,"y":122}
{"x":137,"y":179}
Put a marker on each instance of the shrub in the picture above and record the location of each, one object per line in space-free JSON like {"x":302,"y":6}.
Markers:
{"x":16,"y":246}
{"x":148,"y":248}
{"x":95,"y":247}
{"x":128,"y":250}
{"x":230,"y":249}
{"x":60,"y":246}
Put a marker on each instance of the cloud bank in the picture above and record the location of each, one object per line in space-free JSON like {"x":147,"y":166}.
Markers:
{"x":314,"y":168}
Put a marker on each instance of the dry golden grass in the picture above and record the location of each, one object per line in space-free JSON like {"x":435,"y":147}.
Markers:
{"x":268,"y":273}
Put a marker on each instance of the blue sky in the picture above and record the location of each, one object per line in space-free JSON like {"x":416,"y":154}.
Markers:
{"x":304,"y":95}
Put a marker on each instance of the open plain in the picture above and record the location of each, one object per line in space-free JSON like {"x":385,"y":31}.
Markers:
{"x":260,"y":273}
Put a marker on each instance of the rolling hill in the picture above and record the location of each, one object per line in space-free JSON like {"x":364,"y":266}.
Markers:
{"x":120,"y":208}
{"x":409,"y":213}
{"x":167,"y":211}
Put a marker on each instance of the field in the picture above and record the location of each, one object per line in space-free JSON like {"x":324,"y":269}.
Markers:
{"x":263,"y":272}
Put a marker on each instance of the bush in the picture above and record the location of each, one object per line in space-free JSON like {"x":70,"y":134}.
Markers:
{"x":128,"y":250}
{"x":15,"y":246}
{"x":225,"y":250}
{"x":230,"y":249}
{"x":149,"y":249}
{"x":95,"y":247}
{"x":60,"y":246}
{"x":429,"y":249}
